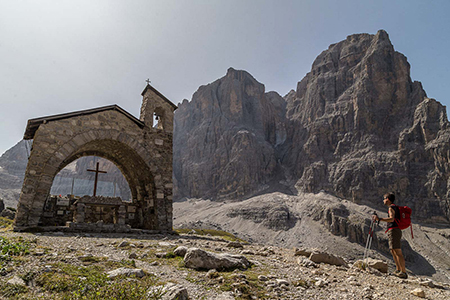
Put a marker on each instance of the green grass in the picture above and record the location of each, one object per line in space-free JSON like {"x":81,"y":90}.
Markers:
{"x":217,"y":233}
{"x":254,"y":288}
{"x":6,"y":223}
{"x":91,"y":282}
{"x":10,"y":249}
{"x":124,"y":263}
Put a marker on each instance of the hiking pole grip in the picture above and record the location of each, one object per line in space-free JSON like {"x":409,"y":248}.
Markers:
{"x":375,"y":214}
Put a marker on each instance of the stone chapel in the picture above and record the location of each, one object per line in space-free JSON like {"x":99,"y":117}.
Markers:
{"x":141,"y":150}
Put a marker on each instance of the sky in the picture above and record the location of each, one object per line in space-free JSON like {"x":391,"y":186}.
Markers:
{"x":60,"y":56}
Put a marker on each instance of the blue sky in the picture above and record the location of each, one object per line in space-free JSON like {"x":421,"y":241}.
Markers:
{"x":60,"y":56}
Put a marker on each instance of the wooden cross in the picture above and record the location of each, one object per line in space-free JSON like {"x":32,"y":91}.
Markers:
{"x":96,"y":177}
{"x":148,"y":81}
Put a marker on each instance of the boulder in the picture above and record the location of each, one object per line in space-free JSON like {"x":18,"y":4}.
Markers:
{"x":418,"y":292}
{"x":8,"y":213}
{"x":234,"y":245}
{"x":302,"y":252}
{"x":199,"y":259}
{"x":174,"y":291}
{"x":180,"y":251}
{"x":378,"y":264}
{"x":323,"y":257}
{"x":124,"y":244}
{"x":16,"y":280}
{"x":126,"y":272}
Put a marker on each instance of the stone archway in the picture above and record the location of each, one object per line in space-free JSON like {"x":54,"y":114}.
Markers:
{"x":142,"y":153}
{"x":135,"y":170}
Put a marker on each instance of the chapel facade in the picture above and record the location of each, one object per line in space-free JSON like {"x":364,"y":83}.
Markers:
{"x":141,"y":149}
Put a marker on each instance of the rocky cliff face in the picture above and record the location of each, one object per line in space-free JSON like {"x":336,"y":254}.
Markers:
{"x":225,"y":139}
{"x":12,"y":170}
{"x":355,"y":127}
{"x":360,"y":127}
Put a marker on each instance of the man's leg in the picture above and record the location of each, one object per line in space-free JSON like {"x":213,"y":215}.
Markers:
{"x":400,"y":262}
{"x":396,"y":259}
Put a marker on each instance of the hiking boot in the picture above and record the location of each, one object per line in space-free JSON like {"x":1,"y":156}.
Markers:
{"x":396,"y":272}
{"x":402,"y":275}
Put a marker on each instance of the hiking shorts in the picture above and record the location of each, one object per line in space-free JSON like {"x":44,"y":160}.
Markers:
{"x":394,"y":237}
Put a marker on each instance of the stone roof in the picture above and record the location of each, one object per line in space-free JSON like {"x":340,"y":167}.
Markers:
{"x":33,"y":124}
{"x":100,"y":200}
{"x":159,"y":94}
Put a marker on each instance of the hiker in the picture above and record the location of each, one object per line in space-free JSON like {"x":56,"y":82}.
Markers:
{"x":394,"y":234}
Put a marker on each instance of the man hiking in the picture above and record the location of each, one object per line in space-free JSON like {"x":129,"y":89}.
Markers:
{"x":394,"y":234}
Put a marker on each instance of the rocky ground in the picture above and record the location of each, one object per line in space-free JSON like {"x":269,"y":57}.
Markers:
{"x":322,"y":221}
{"x":276,"y":273}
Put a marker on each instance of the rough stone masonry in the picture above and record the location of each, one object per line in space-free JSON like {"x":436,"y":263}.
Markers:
{"x":141,"y":149}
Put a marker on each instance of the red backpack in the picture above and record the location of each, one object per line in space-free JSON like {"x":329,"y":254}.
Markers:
{"x":405,"y":218}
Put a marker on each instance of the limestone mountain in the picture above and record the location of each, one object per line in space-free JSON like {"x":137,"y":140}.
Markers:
{"x":359,"y":127}
{"x":225,"y":139}
{"x":356,"y":127}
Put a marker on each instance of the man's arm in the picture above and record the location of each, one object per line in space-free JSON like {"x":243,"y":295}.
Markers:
{"x":391,"y":216}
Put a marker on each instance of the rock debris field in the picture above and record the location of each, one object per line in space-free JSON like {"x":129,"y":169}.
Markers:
{"x":193,"y":266}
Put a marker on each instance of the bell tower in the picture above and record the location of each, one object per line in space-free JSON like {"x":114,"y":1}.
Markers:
{"x":156,"y":110}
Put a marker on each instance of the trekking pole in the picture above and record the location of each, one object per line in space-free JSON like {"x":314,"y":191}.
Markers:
{"x":369,"y":241}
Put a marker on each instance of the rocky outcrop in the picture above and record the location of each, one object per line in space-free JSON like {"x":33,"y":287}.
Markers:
{"x":356,"y":127}
{"x":275,"y":218}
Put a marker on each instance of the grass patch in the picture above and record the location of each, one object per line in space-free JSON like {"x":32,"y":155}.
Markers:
{"x":247,"y":287}
{"x":12,"y":249}
{"x":91,"y":282}
{"x":6,"y":223}
{"x":124,"y":263}
{"x":210,"y":232}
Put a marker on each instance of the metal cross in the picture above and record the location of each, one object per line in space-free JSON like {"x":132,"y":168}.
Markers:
{"x":148,"y":81}
{"x":96,"y":177}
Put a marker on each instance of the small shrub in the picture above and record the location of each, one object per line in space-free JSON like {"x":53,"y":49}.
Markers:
{"x":28,"y":277}
{"x":360,"y":265}
{"x":301,"y":282}
{"x":11,"y":290}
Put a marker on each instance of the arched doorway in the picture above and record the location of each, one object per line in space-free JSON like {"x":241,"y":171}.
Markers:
{"x":89,"y":179}
{"x":78,"y":179}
